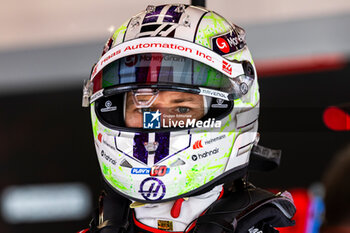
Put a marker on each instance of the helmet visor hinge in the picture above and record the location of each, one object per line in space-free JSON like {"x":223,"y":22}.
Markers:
{"x":87,"y":92}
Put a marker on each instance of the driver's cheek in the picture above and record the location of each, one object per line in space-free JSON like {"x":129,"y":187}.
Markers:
{"x":133,"y":119}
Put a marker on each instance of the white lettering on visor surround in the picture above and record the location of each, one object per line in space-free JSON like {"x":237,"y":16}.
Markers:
{"x":96,"y":96}
{"x":213,"y":93}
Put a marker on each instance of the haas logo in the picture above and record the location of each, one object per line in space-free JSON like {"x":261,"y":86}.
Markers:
{"x":197,"y":144}
{"x":152,"y":189}
{"x":226,"y":67}
{"x":222,"y":45}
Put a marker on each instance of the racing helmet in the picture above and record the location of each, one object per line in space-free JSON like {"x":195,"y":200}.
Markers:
{"x":174,"y":104}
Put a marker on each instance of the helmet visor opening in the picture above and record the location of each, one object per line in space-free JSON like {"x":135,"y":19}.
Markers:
{"x":145,"y":83}
{"x":160,"y":68}
{"x":169,"y":109}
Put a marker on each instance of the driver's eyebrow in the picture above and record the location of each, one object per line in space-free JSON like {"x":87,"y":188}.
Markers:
{"x":181,"y":100}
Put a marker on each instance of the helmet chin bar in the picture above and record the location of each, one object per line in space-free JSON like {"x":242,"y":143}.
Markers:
{"x":227,"y":177}
{"x":144,"y":97}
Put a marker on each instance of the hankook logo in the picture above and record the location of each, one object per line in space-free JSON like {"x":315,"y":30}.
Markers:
{"x":205,"y":154}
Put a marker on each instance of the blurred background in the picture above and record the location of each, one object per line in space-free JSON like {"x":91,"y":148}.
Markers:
{"x":49,"y":174}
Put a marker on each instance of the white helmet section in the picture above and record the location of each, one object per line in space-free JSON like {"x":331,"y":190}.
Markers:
{"x":191,"y":159}
{"x":195,"y":158}
{"x":170,"y":46}
{"x":168,"y":20}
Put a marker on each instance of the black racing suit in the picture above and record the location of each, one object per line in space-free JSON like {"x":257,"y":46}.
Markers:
{"x":246,"y":209}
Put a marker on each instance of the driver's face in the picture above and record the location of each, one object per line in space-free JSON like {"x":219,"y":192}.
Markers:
{"x":173,"y":105}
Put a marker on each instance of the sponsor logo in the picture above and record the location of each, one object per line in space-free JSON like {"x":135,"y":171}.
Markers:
{"x":108,"y":107}
{"x":157,"y":45}
{"x":219,"y":104}
{"x":205,"y":154}
{"x":178,"y":47}
{"x":131,"y":60}
{"x":111,"y":55}
{"x":194,"y":157}
{"x":96,"y":96}
{"x":214,"y":139}
{"x":140,"y":171}
{"x":109,"y":145}
{"x":166,"y":46}
{"x":161,"y":57}
{"x":222,"y":45}
{"x":226,"y":67}
{"x":197,"y":144}
{"x":254,"y":230}
{"x":158,"y":170}
{"x":165,"y":225}
{"x":154,"y":171}
{"x":227,"y":43}
{"x":108,"y":158}
{"x":151,"y":120}
{"x":99,"y":137}
{"x":152,"y":189}
{"x":165,"y":29}
{"x":214,"y":93}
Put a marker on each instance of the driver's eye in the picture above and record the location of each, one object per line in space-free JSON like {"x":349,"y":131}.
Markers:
{"x":141,"y":110}
{"x":183,"y":109}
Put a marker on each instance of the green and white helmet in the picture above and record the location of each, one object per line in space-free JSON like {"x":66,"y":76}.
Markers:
{"x":174,"y":104}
